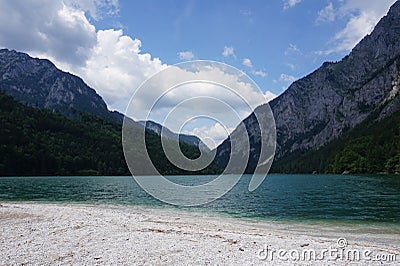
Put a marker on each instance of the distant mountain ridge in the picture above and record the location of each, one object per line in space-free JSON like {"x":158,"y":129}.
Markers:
{"x":371,"y":147}
{"x":39,"y":83}
{"x":314,"y":112}
{"x":336,"y":97}
{"x":189,"y":139}
{"x":40,"y":142}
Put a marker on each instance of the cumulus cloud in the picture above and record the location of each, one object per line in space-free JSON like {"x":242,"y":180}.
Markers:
{"x":260,"y":73}
{"x":326,"y":14}
{"x":290,"y":3}
{"x":228,"y":51}
{"x":116,"y":67}
{"x":287,"y":78}
{"x":247,"y":62}
{"x":186,"y":55}
{"x":355,"y":30}
{"x":54,"y":28}
{"x":380,"y":7}
{"x":113,"y":63}
{"x":211,"y":135}
{"x":228,"y":103}
{"x":96,"y":8}
{"x":237,"y":90}
{"x":361,"y":16}
{"x":107,"y":60}
{"x":269,"y":96}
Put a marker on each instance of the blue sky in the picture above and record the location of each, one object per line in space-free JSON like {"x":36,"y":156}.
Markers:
{"x":115,"y":45}
{"x":282,"y":39}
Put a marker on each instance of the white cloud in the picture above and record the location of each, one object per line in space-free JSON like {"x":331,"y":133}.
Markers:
{"x":228,"y":51}
{"x":96,"y":8}
{"x":113,"y":63}
{"x":46,"y":27}
{"x":290,"y":3}
{"x":228,"y":103}
{"x":260,"y":73}
{"x":326,"y":14}
{"x":362,"y":16}
{"x":234,"y":84}
{"x":211,"y":135}
{"x":379,"y":7}
{"x":107,"y":60}
{"x":247,"y":62}
{"x":269,"y":96}
{"x":186,"y":55}
{"x":287,"y":78}
{"x":292,"y":49}
{"x":116,"y":67}
{"x":355,"y":30}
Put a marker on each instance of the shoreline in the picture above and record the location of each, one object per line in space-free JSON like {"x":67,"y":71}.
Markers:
{"x":65,"y":233}
{"x":373,"y":224}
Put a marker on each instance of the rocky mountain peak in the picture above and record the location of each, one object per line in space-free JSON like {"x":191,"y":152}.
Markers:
{"x":339,"y":95}
{"x":37,"y":82}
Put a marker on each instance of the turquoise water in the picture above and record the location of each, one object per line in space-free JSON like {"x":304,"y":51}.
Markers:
{"x":280,"y":197}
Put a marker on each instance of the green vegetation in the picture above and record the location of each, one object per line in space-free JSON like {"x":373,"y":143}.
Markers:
{"x":39,"y":142}
{"x":371,"y":147}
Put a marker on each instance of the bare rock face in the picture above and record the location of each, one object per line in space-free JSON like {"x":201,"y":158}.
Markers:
{"x":160,"y":130}
{"x":39,"y":83}
{"x":336,"y":97}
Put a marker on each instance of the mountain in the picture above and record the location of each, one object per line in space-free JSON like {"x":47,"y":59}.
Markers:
{"x":189,"y":139}
{"x":37,"y":141}
{"x":39,"y":83}
{"x":373,"y":146}
{"x":335,"y":98}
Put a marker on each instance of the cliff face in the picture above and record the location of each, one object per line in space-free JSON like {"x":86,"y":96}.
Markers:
{"x":156,"y":128}
{"x":37,"y":82}
{"x":336,"y":97}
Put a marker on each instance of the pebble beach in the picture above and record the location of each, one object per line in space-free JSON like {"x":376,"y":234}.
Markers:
{"x":84,"y":234}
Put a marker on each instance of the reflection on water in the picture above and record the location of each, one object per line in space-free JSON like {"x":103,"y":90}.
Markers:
{"x":289,"y":197}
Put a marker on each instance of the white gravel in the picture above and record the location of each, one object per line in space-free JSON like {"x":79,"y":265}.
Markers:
{"x":65,"y":234}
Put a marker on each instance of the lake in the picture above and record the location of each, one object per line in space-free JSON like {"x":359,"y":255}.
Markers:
{"x":335,"y":198}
